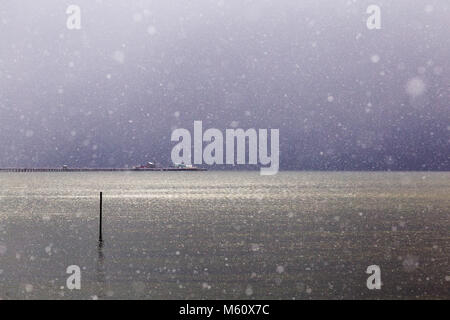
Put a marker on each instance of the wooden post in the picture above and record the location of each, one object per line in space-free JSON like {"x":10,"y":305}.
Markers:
{"x":100,"y":238}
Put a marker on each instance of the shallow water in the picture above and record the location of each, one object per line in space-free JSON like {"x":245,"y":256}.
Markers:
{"x":225,"y":235}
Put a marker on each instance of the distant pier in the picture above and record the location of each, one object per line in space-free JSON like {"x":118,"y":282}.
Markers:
{"x":96,"y":169}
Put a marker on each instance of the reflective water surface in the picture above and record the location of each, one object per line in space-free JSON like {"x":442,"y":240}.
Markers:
{"x":225,"y":235}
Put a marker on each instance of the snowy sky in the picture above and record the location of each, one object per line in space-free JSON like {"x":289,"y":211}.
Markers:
{"x":110,"y":94}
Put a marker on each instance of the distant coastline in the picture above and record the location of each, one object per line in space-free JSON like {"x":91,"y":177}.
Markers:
{"x":98,"y":169}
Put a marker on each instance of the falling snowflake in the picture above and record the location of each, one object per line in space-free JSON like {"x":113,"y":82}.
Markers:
{"x":151,"y":30}
{"x":415,"y":87}
{"x":119,"y":56}
{"x":375,"y":58}
{"x":410,"y":263}
{"x":280,"y":269}
{"x":137,"y":17}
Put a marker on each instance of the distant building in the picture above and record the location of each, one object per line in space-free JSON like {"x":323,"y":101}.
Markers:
{"x":148,"y":165}
{"x":182,"y":165}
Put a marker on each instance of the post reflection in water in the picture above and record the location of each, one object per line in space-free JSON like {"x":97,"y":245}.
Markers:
{"x":100,"y":274}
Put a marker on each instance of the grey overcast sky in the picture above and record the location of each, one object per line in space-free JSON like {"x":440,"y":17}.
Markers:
{"x":343,"y":97}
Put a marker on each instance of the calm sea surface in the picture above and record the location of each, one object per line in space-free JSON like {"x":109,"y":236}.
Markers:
{"x":225,"y":235}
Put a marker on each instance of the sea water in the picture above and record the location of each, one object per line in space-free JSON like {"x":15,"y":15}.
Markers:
{"x":225,"y":235}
